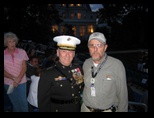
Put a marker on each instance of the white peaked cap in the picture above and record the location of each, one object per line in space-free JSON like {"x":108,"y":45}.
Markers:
{"x":66,"y":42}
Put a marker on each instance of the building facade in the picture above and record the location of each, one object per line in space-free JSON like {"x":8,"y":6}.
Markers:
{"x":79,"y":16}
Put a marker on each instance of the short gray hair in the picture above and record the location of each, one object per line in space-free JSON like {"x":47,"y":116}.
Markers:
{"x":10,"y":35}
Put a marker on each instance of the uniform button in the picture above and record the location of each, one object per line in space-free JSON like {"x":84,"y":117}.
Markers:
{"x":71,"y":79}
{"x":72,"y":94}
{"x":56,"y":110}
{"x":69,"y":71}
{"x":61,"y":85}
{"x":72,"y":86}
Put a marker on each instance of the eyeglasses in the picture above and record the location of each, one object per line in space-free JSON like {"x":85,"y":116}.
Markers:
{"x":95,"y":45}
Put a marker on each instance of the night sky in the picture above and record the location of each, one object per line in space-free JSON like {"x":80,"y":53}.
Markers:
{"x":95,"y":7}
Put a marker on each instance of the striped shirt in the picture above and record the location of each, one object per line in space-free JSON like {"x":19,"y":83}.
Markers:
{"x":13,"y":64}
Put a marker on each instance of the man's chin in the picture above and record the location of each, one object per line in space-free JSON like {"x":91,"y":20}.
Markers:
{"x":96,"y":59}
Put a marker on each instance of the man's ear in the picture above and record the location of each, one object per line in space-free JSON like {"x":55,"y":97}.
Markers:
{"x":57,"y":52}
{"x":106,"y":47}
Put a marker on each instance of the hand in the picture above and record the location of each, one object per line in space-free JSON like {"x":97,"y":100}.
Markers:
{"x":15,"y":81}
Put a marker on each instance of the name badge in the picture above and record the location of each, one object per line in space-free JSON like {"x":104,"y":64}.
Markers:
{"x":93,"y":92}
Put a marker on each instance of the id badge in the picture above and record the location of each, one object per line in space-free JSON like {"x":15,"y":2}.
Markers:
{"x":93,"y":92}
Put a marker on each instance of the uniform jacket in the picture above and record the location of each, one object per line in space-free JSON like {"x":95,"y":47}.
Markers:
{"x":53,"y":84}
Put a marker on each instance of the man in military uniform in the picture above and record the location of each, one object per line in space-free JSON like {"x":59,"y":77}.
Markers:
{"x":60,"y":87}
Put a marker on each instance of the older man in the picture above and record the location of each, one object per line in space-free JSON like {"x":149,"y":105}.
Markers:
{"x":105,"y":87}
{"x":59,"y":89}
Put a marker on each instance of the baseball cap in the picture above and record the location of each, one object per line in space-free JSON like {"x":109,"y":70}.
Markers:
{"x":97,"y":36}
{"x":66,"y":42}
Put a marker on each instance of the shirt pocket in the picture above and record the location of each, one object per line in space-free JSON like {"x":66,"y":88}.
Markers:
{"x":108,"y":85}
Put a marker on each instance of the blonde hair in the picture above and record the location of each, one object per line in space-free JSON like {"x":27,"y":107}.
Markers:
{"x":10,"y":35}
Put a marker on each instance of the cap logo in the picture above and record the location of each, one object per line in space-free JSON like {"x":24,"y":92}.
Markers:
{"x":68,"y":39}
{"x":96,"y":34}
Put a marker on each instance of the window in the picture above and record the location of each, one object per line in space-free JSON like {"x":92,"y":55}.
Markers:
{"x":54,"y":28}
{"x":74,"y":29}
{"x":90,"y":29}
{"x":62,"y":29}
{"x":63,"y":15}
{"x":84,"y":16}
{"x":72,"y":15}
{"x":71,"y":5}
{"x":79,"y":15}
{"x":63,"y":5}
{"x":79,"y":5}
{"x":82,"y":30}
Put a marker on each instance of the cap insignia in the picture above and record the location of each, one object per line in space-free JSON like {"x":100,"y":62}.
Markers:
{"x":68,"y":39}
{"x":96,"y":34}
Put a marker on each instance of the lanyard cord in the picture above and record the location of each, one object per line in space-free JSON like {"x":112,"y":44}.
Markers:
{"x":92,"y":68}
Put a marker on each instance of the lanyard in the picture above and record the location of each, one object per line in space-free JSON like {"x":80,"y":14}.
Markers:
{"x":92,"y":68}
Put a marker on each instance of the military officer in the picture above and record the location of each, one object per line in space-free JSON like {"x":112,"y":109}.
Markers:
{"x":60,"y":87}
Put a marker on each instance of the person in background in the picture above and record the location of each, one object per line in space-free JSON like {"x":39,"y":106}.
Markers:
{"x":32,"y":95}
{"x":15,"y":72}
{"x":60,"y":87}
{"x":31,"y":66}
{"x":31,"y":53}
{"x":105,"y":88}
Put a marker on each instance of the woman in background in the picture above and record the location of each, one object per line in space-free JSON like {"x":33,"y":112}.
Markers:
{"x":14,"y":72}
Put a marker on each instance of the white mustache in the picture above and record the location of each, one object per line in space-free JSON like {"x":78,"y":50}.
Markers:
{"x":95,"y":53}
